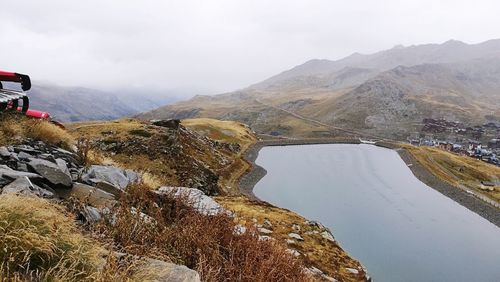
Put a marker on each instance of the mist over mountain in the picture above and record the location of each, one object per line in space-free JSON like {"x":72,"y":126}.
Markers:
{"x":387,"y":93}
{"x":448,"y":52}
{"x":79,"y":104}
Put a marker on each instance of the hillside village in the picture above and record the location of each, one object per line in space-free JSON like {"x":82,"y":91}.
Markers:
{"x":478,"y":141}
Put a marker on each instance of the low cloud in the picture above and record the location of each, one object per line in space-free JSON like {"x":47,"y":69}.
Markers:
{"x":216,"y":46}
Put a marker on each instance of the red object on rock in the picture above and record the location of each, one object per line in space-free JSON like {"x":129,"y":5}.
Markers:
{"x":35,"y":114}
{"x":10,"y":99}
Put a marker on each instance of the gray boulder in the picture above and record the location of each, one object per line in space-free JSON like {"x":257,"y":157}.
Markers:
{"x":293,"y":252}
{"x":63,"y":166}
{"x":112,"y":175}
{"x":107,"y":187}
{"x":24,"y":156}
{"x":51,"y":172}
{"x":14,"y":157}
{"x":328,"y":236}
{"x":4,"y":152}
{"x":47,"y":157}
{"x":352,"y":270}
{"x":91,"y":195}
{"x":91,"y":214}
{"x":239,"y":229}
{"x":160,"y":271}
{"x":7,"y":172}
{"x":24,"y":148}
{"x":195,"y":198}
{"x":264,"y":230}
{"x":169,"y":123}
{"x":132,"y":175}
{"x":23,"y":186}
{"x":22,"y":167}
{"x":295,"y":236}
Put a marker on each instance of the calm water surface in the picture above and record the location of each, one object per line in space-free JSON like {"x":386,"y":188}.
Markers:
{"x":399,"y":228}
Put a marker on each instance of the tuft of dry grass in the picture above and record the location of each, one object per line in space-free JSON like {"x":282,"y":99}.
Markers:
{"x":9,"y":129}
{"x":172,"y":231}
{"x":39,"y":241}
{"x":49,"y":133}
{"x":13,"y":127}
{"x":151,"y":180}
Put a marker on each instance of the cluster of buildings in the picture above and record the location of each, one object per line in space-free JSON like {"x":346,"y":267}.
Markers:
{"x":443,"y":126}
{"x":480,"y":141}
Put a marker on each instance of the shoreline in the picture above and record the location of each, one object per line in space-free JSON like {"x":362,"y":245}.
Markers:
{"x":471,"y":202}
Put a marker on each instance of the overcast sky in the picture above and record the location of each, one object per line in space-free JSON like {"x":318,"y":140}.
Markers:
{"x":217,"y":46}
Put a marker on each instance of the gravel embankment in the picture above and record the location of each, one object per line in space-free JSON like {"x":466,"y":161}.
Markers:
{"x":482,"y":208}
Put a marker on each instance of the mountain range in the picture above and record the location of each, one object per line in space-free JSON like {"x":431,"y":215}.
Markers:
{"x":385,"y":94}
{"x":69,"y":104}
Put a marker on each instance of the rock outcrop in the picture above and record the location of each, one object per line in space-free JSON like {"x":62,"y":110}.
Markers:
{"x":160,"y":271}
{"x":40,"y":170}
{"x":195,"y":198}
{"x":35,"y":169}
{"x":51,"y":172}
{"x":110,"y":175}
{"x":23,"y":186}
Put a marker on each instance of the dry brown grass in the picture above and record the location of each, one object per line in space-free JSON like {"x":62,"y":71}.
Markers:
{"x":120,"y":129}
{"x":14,"y":127}
{"x":456,"y":169}
{"x":315,"y":250}
{"x":39,"y":240}
{"x":9,"y":129}
{"x":48,"y":133}
{"x":220,"y":130}
{"x":207,"y":244}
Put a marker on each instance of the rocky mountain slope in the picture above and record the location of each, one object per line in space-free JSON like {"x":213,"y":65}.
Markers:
{"x":168,"y":152}
{"x":385,"y":94}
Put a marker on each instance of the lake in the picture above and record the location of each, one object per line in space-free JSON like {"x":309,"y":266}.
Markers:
{"x":396,"y":226}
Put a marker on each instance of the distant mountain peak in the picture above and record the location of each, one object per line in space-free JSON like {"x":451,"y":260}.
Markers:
{"x":453,"y":42}
{"x":398,"y":46}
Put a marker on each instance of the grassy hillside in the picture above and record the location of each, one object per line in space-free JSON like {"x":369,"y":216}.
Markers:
{"x":225,"y":131}
{"x":458,"y":170}
{"x":315,"y":250}
{"x":177,"y":157}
